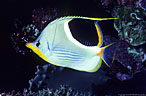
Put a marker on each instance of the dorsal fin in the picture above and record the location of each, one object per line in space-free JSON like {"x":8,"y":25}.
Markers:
{"x":80,"y":17}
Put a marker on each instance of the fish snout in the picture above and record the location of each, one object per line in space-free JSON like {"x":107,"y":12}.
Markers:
{"x":29,"y":45}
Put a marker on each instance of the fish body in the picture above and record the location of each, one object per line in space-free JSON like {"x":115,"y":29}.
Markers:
{"x":57,"y":46}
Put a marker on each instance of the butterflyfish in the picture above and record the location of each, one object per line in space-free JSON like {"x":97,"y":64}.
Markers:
{"x":57,"y":46}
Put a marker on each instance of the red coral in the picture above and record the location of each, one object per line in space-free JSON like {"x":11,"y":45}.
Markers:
{"x":126,"y":3}
{"x":41,"y":16}
{"x":25,"y":32}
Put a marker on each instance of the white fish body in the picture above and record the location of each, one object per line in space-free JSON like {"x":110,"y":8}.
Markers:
{"x":57,"y":46}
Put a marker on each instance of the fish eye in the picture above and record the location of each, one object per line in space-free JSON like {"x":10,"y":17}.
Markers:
{"x":38,"y":43}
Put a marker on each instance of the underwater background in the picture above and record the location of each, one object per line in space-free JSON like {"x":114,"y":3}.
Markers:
{"x":22,"y":72}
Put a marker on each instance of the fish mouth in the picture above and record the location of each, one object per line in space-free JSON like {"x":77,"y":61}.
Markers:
{"x":29,"y":45}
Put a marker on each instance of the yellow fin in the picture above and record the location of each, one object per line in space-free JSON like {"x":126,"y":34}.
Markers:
{"x":82,"y":17}
{"x":99,"y":19}
{"x":102,"y":54}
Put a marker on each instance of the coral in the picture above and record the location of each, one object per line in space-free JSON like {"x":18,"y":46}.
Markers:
{"x":128,"y":60}
{"x":26,"y":34}
{"x":5,"y":94}
{"x":143,"y":4}
{"x":47,"y":75}
{"x":125,"y":3}
{"x":28,"y":31}
{"x":42,"y":16}
{"x":106,"y":2}
{"x":131,"y":25}
{"x":12,"y":93}
{"x":123,"y":77}
{"x":63,"y":90}
{"x":41,"y":76}
{"x":128,"y":3}
{"x":131,"y":28}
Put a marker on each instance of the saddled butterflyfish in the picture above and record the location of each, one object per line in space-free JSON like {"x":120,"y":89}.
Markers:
{"x":57,"y":46}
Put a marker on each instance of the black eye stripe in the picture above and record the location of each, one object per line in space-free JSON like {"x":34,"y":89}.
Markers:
{"x":38,"y":43}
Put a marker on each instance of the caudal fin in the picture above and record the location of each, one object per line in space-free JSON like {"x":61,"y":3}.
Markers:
{"x":107,"y":54}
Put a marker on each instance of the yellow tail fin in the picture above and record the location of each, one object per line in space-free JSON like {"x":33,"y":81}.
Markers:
{"x":105,"y":52}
